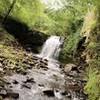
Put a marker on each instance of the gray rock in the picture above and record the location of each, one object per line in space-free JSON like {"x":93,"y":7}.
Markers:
{"x":12,"y":94}
{"x":3,"y":92}
{"x":26,"y":85}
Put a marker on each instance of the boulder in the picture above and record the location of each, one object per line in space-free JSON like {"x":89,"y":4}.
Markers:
{"x":69,"y":67}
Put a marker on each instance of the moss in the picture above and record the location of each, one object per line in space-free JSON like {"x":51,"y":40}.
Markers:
{"x":5,"y":37}
{"x":12,"y":55}
{"x":92,"y":45}
{"x":91,"y":54}
{"x":93,"y":85}
{"x":26,"y":12}
{"x":90,"y":21}
{"x":70,"y":46}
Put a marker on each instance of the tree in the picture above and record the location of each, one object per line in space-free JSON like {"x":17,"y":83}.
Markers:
{"x":9,"y":11}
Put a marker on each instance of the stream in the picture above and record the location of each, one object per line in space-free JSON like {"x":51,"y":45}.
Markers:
{"x":47,"y":80}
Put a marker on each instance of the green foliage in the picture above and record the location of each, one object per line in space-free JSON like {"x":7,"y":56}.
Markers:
{"x":66,"y":22}
{"x":92,"y":45}
{"x":93,"y":84}
{"x":71,"y":42}
{"x":42,"y":23}
{"x":23,"y":10}
{"x":61,"y":22}
{"x":92,"y":87}
{"x":4,"y":6}
{"x":28,"y":11}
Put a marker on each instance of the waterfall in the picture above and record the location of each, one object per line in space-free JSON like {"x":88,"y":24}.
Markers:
{"x":52,"y":47}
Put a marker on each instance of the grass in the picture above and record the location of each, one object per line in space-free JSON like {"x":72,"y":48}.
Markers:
{"x":93,"y":85}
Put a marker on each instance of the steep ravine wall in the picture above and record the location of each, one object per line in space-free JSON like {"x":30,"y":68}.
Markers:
{"x":91,"y":53}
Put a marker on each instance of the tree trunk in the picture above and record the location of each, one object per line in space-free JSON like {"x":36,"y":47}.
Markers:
{"x":9,"y":11}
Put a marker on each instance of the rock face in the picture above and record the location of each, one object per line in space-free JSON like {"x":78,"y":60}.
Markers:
{"x":29,"y":39}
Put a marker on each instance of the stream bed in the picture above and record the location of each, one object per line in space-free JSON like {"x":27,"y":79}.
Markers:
{"x":47,"y":79}
{"x":44,"y":83}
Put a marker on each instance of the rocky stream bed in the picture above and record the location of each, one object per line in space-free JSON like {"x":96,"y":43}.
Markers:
{"x":27,"y":76}
{"x":44,"y":82}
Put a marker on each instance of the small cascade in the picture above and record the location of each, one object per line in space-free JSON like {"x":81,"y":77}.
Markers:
{"x":52,"y":47}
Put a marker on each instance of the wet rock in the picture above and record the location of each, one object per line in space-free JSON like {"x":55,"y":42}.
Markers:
{"x":29,"y":80}
{"x":74,"y":87}
{"x":12,"y":94}
{"x":10,"y":86}
{"x":58,"y":94}
{"x":22,"y":71}
{"x":69,"y":67}
{"x":44,"y":67}
{"x":3,"y":82}
{"x":0,"y":64}
{"x":1,"y":87}
{"x":68,"y":94}
{"x":45,"y":62}
{"x":41,"y":85}
{"x":84,"y":81}
{"x":15,"y":82}
{"x":35,"y":57}
{"x":3,"y":92}
{"x":41,"y":63}
{"x":83,"y":96}
{"x":75,"y":69}
{"x":26,"y":85}
{"x":49,"y":93}
{"x":73,"y":74}
{"x":29,"y":66}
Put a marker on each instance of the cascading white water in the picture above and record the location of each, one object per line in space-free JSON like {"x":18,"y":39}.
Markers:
{"x":52,"y":47}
